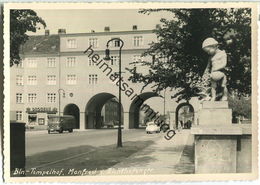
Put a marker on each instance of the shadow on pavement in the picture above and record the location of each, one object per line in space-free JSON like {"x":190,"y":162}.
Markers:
{"x":86,"y":158}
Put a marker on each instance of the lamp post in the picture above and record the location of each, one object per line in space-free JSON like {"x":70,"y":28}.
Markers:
{"x":59,"y":91}
{"x":164,"y":105}
{"x":107,"y":57}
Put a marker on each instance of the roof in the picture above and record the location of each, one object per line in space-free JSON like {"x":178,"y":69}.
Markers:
{"x":107,"y":33}
{"x":41,"y":44}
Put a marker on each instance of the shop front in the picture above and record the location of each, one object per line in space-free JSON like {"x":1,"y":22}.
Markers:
{"x":39,"y":115}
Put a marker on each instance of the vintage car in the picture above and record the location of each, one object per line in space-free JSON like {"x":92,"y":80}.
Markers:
{"x":61,"y":123}
{"x":152,"y":128}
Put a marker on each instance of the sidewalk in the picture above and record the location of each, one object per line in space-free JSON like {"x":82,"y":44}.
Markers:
{"x":162,"y":157}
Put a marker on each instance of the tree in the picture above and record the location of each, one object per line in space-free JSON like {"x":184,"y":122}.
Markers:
{"x":21,"y":21}
{"x":240,"y":106}
{"x":178,"y":59}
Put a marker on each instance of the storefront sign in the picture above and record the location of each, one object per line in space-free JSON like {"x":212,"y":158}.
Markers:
{"x":35,"y":110}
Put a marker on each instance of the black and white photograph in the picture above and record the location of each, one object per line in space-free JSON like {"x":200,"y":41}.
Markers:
{"x":114,"y":91}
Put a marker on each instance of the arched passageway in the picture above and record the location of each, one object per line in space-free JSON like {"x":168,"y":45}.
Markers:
{"x":137,"y":103}
{"x":94,"y":118}
{"x":72,"y":109}
{"x":184,"y":115}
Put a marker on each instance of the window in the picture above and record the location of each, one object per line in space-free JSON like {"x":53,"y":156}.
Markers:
{"x":92,"y":79}
{"x":115,"y":43}
{"x":41,"y":121}
{"x":19,"y":98}
{"x":32,"y":80}
{"x":90,"y":62}
{"x":51,"y":80}
{"x":114,"y":60}
{"x":19,"y":115}
{"x":19,"y":80}
{"x":138,"y":41}
{"x":93,"y":42}
{"x":71,"y":79}
{"x":71,"y":61}
{"x":32,"y":98}
{"x":51,"y":62}
{"x":31,"y":63}
{"x":32,"y":118}
{"x":51,"y":97}
{"x":71,"y":43}
{"x":20,"y":65}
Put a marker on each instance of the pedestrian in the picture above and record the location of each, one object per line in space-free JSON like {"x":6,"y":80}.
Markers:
{"x":189,"y":124}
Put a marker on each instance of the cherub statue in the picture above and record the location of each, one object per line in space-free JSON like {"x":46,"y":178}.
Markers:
{"x":215,"y":71}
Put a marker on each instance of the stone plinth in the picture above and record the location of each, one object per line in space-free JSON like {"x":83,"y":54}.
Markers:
{"x":215,"y":113}
{"x":220,"y":146}
{"x":215,"y":154}
{"x":215,"y":149}
{"x":222,"y":149}
{"x":214,"y":104}
{"x":216,"y":130}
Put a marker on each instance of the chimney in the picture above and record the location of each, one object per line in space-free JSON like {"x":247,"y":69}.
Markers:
{"x":107,"y":29}
{"x":134,"y":27}
{"x":47,"y":32}
{"x":61,"y":31}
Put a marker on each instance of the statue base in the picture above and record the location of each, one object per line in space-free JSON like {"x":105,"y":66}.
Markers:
{"x":219,"y":144}
{"x":215,"y":113}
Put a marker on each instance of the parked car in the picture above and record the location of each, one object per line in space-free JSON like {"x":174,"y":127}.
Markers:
{"x":61,"y":123}
{"x":110,"y":124}
{"x":165,"y":127}
{"x":152,"y":128}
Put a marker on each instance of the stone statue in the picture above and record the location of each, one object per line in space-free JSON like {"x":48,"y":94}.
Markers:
{"x":214,"y":79}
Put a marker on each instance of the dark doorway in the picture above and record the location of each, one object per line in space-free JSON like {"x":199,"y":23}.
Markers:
{"x":102,"y":112}
{"x":135,"y":110}
{"x":72,"y":109}
{"x":184,"y":116}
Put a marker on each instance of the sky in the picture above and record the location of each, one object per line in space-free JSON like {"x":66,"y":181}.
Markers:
{"x":82,"y":21}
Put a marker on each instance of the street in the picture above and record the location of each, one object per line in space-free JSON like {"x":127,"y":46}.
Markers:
{"x":95,"y":150}
{"x":39,"y":141}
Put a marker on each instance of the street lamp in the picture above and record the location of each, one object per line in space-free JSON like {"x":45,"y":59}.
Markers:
{"x":59,"y":91}
{"x":107,"y":57}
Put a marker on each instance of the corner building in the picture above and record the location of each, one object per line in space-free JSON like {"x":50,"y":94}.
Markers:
{"x":57,"y":77}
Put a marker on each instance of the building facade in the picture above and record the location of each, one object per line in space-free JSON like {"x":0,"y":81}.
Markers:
{"x":57,"y":76}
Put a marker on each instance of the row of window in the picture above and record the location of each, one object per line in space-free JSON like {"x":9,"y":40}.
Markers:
{"x":32,"y":98}
{"x":51,"y":62}
{"x":137,"y":41}
{"x":51,"y":79}
{"x":71,"y":62}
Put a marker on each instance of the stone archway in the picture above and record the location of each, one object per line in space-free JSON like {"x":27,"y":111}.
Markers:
{"x":190,"y":113}
{"x":134,"y":110}
{"x":93,"y":118}
{"x":72,"y":109}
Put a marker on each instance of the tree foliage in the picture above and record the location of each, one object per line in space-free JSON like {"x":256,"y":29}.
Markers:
{"x":22,"y":21}
{"x":179,"y":60}
{"x":240,"y":106}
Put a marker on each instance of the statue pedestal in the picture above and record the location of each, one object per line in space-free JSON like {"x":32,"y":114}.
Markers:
{"x":216,"y":139}
{"x":215,"y":113}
